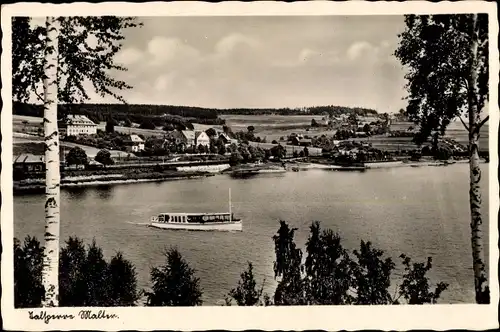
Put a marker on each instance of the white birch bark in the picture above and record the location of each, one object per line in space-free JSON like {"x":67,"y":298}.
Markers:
{"x":50,"y":272}
{"x":480,"y":277}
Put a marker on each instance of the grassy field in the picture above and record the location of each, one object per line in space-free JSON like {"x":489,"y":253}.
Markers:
{"x":262,"y":122}
{"x":454,"y":131}
{"x":34,"y":145}
{"x":272,"y":127}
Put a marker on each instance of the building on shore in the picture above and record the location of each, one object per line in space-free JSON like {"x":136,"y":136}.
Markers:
{"x":76,"y":124}
{"x":225,"y":138}
{"x":134,"y":143}
{"x":305,"y":142}
{"x":27,"y":166}
{"x":201,"y":138}
{"x":189,"y":137}
{"x":27,"y":163}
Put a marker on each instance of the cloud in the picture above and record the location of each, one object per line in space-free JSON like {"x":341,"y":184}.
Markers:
{"x":367,"y":52}
{"x":359,"y":49}
{"x":310,"y":56}
{"x":128,"y":56}
{"x":233,"y":43}
{"x":164,"y":81}
{"x":164,"y":50}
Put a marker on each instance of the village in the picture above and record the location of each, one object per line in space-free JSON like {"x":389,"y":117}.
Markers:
{"x":110,"y":151}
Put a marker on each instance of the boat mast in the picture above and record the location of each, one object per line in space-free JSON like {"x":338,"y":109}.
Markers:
{"x":230,"y":212}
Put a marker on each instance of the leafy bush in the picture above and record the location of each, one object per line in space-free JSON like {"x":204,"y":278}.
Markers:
{"x":330,"y":275}
{"x":246,"y":293}
{"x":104,"y":157}
{"x":76,"y":156}
{"x":174,"y":284}
{"x":85,"y":277}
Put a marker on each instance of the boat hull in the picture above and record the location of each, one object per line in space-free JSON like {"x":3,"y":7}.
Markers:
{"x":251,"y":173}
{"x":229,"y":226}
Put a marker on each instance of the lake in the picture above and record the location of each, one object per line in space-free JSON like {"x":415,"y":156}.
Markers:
{"x":417,"y":211}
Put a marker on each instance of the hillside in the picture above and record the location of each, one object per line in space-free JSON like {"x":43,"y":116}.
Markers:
{"x":197,"y":114}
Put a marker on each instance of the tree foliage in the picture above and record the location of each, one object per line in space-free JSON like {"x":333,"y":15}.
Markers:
{"x":85,"y":277}
{"x":372,"y":275}
{"x":327,"y":266}
{"x":211,"y":132}
{"x":436,"y":50}
{"x":110,"y":126}
{"x":330,"y":275}
{"x":28,"y":259}
{"x":288,"y":268}
{"x":447,"y":58}
{"x":104,"y":157}
{"x":415,"y":287}
{"x":247,"y":293}
{"x":87,"y":47}
{"x":174,"y":284}
{"x":77,"y":156}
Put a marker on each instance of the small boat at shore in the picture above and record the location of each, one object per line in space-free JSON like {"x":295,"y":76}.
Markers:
{"x":347,"y":168}
{"x":244,"y":173}
{"x":223,"y":221}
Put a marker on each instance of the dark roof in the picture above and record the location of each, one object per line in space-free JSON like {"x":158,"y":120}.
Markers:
{"x":175,"y":134}
{"x":28,"y":158}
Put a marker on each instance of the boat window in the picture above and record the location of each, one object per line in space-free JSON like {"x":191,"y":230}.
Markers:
{"x":161,"y":218}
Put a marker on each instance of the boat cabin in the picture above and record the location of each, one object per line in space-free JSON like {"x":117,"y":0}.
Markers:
{"x":194,"y":217}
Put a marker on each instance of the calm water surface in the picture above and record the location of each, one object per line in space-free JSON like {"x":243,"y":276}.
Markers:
{"x":418,"y":211}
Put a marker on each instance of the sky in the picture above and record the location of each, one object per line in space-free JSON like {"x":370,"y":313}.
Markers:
{"x":264,"y":61}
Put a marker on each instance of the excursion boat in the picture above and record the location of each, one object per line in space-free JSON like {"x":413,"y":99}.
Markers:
{"x":223,"y":221}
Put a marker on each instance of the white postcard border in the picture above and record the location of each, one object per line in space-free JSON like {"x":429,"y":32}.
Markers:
{"x":438,"y":317}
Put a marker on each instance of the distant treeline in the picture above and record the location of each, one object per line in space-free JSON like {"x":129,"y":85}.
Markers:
{"x":120,"y":112}
{"x":159,"y":115}
{"x":316,"y":110}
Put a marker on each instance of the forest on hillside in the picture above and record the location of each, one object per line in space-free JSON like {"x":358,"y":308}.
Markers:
{"x":174,"y":116}
{"x":315,"y":110}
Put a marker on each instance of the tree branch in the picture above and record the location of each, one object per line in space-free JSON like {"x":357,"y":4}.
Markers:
{"x":463,"y":122}
{"x":478,"y":126}
{"x":36,"y":94}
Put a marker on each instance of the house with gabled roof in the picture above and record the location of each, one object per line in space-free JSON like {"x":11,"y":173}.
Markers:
{"x":201,"y":138}
{"x":189,"y":137}
{"x":134,"y":143}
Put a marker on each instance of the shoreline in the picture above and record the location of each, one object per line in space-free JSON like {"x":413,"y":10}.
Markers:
{"x":114,"y":179}
{"x":36,"y":188}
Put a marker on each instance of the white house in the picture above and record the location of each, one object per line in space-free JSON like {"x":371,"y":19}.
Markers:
{"x":79,"y":125}
{"x":201,"y":138}
{"x":135,"y":143}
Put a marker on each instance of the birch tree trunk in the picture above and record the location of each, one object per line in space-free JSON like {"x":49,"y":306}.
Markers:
{"x":50,"y":271}
{"x":476,"y":225}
